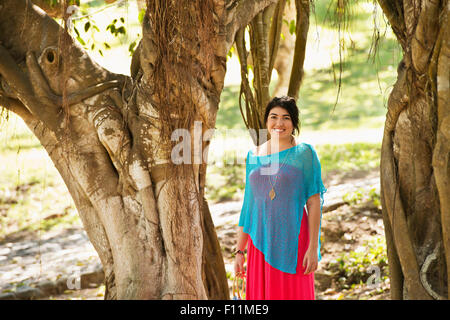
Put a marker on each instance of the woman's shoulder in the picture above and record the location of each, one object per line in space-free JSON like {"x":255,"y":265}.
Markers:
{"x":305,"y":150}
{"x":305,"y":146}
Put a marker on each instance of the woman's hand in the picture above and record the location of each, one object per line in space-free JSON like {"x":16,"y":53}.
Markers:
{"x":239,"y":259}
{"x":239,"y":268}
{"x":311,"y":260}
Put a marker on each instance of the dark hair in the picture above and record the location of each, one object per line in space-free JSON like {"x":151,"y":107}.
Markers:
{"x":287,"y":103}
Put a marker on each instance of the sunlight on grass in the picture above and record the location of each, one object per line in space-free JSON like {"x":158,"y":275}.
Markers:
{"x":349,"y":157}
{"x":31,"y":188}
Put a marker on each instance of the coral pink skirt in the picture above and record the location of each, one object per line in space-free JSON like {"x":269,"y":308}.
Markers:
{"x":264,"y":282}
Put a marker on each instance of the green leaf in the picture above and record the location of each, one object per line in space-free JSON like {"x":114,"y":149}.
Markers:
{"x":131,"y":47}
{"x":230,"y":53}
{"x":292,"y":27}
{"x":141,"y":16}
{"x":107,"y":46}
{"x":81,"y":41}
{"x":76,"y":31}
{"x":87,"y":25}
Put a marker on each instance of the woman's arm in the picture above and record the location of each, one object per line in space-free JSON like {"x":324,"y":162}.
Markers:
{"x":242,"y":239}
{"x":311,"y":260}
{"x":240,"y":258}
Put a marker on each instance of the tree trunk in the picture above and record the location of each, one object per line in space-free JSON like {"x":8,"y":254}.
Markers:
{"x":415,"y":153}
{"x":110,"y":137}
{"x":285,"y":55}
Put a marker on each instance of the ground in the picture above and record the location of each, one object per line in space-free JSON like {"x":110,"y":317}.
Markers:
{"x":352,"y":229}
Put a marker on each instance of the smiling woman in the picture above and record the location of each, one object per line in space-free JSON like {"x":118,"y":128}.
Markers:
{"x":281,"y":236}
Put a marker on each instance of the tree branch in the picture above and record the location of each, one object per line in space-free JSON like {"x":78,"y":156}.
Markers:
{"x":301,"y":32}
{"x":275,"y":33}
{"x":240,"y":13}
{"x":22,"y":88}
{"x":15,"y":78}
{"x":39,"y":83}
{"x":395,"y":18}
{"x":17,"y":107}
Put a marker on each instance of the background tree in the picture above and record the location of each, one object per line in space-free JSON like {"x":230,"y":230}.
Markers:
{"x":415,"y":153}
{"x":109,"y":136}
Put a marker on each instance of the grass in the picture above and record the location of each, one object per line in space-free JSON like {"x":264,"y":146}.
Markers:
{"x":363,"y":195}
{"x":348,"y":157}
{"x":31,"y":188}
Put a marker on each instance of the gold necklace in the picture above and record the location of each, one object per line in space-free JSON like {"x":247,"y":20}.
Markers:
{"x":272,"y":193}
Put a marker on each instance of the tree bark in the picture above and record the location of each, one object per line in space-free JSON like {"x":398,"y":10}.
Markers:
{"x":285,"y":55}
{"x":301,"y":32}
{"x":110,"y":137}
{"x":415,"y":153}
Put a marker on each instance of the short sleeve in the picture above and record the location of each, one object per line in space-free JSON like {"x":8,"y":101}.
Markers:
{"x":313,"y":175}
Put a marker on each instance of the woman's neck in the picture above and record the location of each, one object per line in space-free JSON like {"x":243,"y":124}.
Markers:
{"x":276,"y":145}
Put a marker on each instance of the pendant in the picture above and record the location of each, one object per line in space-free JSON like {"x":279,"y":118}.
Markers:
{"x":272,"y":194}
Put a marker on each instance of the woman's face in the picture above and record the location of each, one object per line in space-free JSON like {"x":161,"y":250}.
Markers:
{"x":279,"y":123}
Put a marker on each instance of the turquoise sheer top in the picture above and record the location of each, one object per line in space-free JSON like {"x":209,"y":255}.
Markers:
{"x":274,"y":225}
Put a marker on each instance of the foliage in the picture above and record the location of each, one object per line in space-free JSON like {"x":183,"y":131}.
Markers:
{"x":363,"y":195}
{"x":349,"y":156}
{"x":89,"y":27}
{"x":225,"y":182}
{"x":354,"y":267}
{"x":54,"y":3}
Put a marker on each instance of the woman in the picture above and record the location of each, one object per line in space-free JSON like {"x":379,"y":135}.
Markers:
{"x":282,"y":238}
